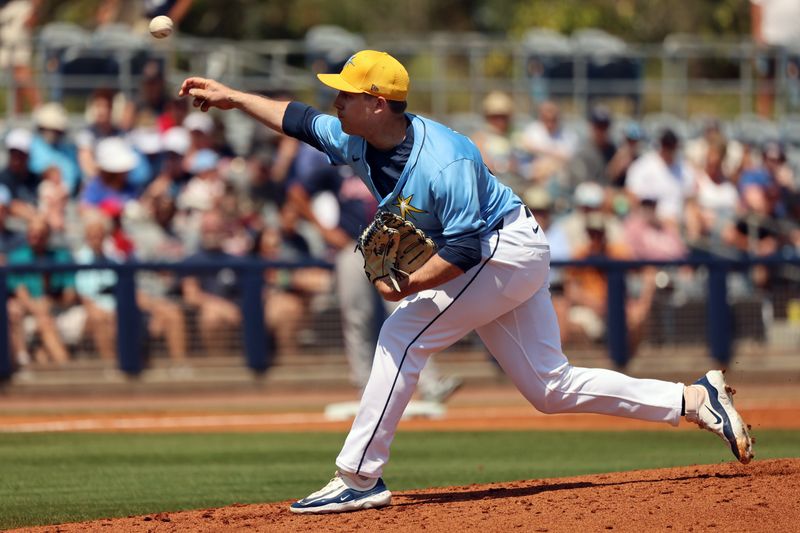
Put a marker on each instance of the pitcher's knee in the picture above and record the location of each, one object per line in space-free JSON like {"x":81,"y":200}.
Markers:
{"x":552,"y":401}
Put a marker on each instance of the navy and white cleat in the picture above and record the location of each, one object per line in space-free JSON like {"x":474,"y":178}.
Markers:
{"x":340,"y":497}
{"x":717,"y":414}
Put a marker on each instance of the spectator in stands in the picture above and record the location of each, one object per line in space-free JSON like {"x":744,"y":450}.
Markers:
{"x":648,"y":237}
{"x":9,"y":239}
{"x":18,"y":178}
{"x":628,"y":152}
{"x":115,"y":159}
{"x":206,"y":187}
{"x":99,"y":127}
{"x":494,"y":139}
{"x":53,"y":198}
{"x":660,"y":174}
{"x":765,"y":189}
{"x":50,"y":146}
{"x":96,"y":287}
{"x":201,"y":134}
{"x":591,"y":159}
{"x":717,"y":202}
{"x":172,"y":177}
{"x":213,"y":294}
{"x":152,"y":99}
{"x":589,"y":197}
{"x":288,"y":291}
{"x":18,"y":19}
{"x":550,"y":145}
{"x":49,"y":298}
{"x":96,"y":290}
{"x":764,"y":193}
{"x":586,"y":289}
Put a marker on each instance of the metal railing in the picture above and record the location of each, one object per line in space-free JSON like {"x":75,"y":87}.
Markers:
{"x":452,"y":72}
{"x":719,"y":324}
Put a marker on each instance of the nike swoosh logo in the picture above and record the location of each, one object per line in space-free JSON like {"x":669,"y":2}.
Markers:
{"x":536,"y":230}
{"x":356,"y":158}
{"x":716,"y":416}
{"x":344,"y":497}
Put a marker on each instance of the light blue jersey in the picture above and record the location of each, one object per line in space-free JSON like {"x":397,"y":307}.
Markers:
{"x":445,"y":188}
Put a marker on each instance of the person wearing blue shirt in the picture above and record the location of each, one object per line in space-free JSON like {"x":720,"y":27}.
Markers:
{"x":489,"y":275}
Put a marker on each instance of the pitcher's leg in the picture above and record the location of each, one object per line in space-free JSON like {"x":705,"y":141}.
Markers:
{"x":526,"y":343}
{"x":423,"y":325}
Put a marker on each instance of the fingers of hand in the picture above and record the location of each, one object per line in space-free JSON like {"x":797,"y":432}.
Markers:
{"x":189,"y":84}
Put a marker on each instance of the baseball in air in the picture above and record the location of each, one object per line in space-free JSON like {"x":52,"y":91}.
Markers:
{"x":161,"y":26}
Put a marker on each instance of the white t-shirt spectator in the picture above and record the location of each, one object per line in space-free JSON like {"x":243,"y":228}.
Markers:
{"x":561,"y":144}
{"x":650,"y":177}
{"x":719,"y":197}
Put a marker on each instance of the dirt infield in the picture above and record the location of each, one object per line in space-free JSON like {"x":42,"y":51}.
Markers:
{"x":727,"y":497}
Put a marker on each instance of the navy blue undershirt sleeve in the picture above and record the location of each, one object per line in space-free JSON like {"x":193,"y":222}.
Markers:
{"x":463,"y":252}
{"x":297,"y":122}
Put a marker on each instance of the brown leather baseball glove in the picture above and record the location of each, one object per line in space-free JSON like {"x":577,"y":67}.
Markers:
{"x":393,"y":248}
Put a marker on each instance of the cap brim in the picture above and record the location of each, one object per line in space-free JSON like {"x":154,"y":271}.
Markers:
{"x":335,"y":81}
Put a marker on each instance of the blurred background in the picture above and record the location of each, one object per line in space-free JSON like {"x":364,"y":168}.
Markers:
{"x":657,"y":143}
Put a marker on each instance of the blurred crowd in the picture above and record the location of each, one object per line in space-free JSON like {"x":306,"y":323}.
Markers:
{"x":150,"y":179}
{"x":606,"y":190}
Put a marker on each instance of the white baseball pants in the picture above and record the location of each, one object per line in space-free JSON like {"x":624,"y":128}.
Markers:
{"x":507,"y":301}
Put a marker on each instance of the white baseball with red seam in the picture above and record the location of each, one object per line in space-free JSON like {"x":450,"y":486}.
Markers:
{"x":161,"y":26}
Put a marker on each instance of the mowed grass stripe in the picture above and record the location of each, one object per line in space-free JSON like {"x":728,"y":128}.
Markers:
{"x":52,"y":478}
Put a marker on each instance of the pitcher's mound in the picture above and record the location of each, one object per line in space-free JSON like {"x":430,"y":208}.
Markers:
{"x":762,"y":496}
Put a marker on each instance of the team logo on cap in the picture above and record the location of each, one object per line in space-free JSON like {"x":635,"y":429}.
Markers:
{"x":350,"y":61}
{"x":374,"y":88}
{"x":405,"y":207}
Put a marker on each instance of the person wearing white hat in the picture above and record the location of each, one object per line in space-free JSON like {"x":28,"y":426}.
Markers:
{"x":51,"y":146}
{"x":17,"y":177}
{"x":589,"y":197}
{"x":172,"y":177}
{"x":115,"y":159}
{"x":99,"y":126}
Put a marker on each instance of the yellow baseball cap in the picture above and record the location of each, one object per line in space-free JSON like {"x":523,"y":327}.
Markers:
{"x":371,"y":72}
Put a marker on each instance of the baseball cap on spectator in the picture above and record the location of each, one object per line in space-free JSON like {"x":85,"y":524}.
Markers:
{"x":51,"y":116}
{"x":497,"y":103}
{"x":147,"y":141}
{"x":600,"y":116}
{"x":176,"y":140}
{"x":203,"y":161}
{"x":589,"y":194}
{"x":19,"y":139}
{"x":198,"y":121}
{"x":371,"y":72}
{"x":114,"y":155}
{"x":633,"y":132}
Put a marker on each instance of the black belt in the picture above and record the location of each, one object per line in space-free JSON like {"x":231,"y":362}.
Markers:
{"x":499,"y":224}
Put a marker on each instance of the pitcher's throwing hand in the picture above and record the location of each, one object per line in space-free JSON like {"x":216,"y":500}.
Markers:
{"x":208,"y":93}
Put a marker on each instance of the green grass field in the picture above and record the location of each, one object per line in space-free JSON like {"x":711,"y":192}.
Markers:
{"x":55,"y":478}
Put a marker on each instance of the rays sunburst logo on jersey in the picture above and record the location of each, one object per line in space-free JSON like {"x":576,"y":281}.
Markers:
{"x":405,"y":207}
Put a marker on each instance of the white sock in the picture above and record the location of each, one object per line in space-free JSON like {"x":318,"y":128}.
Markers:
{"x":355,"y":481}
{"x":694,"y":396}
